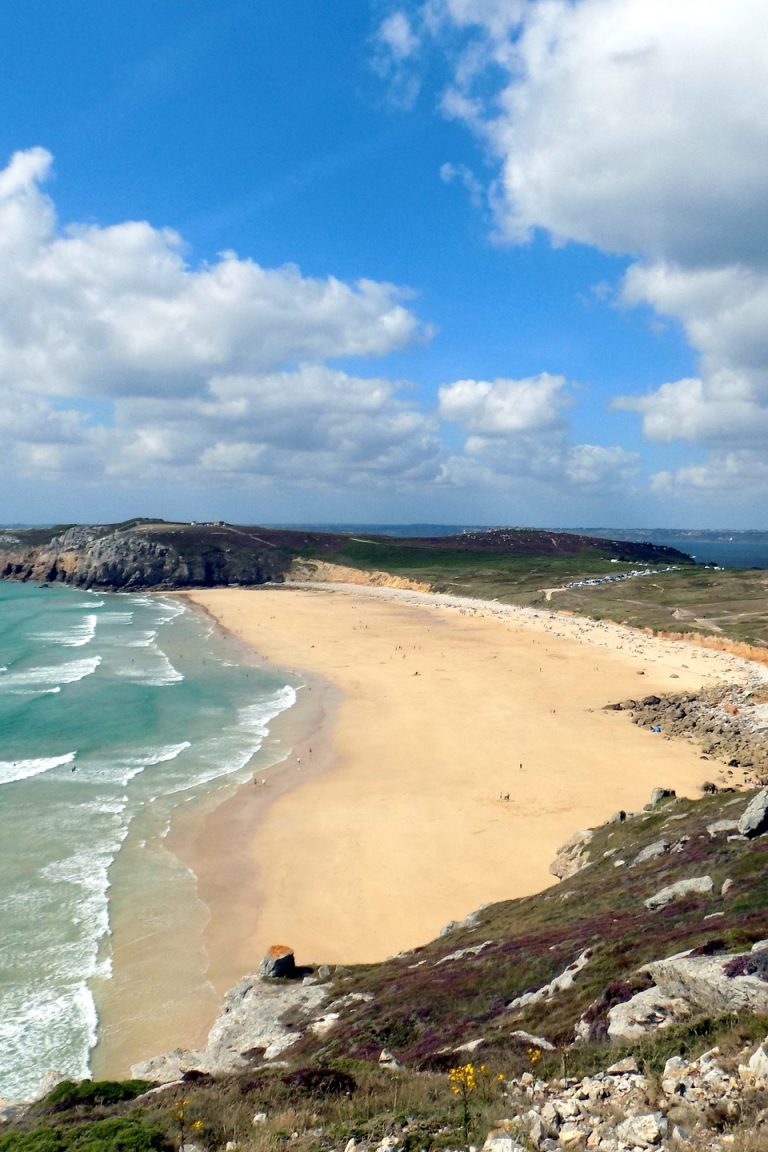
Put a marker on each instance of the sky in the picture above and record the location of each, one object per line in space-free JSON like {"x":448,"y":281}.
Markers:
{"x":449,"y":261}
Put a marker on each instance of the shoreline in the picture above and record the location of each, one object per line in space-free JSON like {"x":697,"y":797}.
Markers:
{"x":395,"y":824}
{"x":207,"y":942}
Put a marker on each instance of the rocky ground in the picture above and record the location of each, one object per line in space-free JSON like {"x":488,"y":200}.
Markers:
{"x":730,"y":722}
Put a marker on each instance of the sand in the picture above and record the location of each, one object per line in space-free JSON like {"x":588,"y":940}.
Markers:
{"x":390,"y":816}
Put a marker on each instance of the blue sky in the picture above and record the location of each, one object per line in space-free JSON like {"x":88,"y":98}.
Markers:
{"x":497,"y":261}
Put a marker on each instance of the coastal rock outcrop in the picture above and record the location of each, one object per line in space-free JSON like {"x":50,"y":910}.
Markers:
{"x":685,"y":985}
{"x":279,"y":962}
{"x":250,"y":1022}
{"x":730,"y":722}
{"x":754,"y":819}
{"x":145,"y":555}
{"x":572,"y":856}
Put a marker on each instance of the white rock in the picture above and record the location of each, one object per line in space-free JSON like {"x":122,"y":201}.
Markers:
{"x":650,"y":852}
{"x":696,"y":886}
{"x":571,"y":1134}
{"x":529,"y":1038}
{"x":259,"y":1118}
{"x":758,"y":1063}
{"x":628,"y":1064}
{"x":643,"y":1131}
{"x":501,"y":1142}
{"x":754,"y":819}
{"x":646,"y":1011}
{"x":719,"y":826}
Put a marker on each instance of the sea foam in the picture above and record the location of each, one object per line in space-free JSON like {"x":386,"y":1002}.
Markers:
{"x":12,"y":770}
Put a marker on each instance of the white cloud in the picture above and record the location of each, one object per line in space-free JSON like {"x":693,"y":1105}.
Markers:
{"x":740,"y":475}
{"x":502,"y":407}
{"x":395,"y":34}
{"x":117,"y":309}
{"x":120,"y":359}
{"x":461,"y":174}
{"x":516,"y":430}
{"x":396,"y":44}
{"x":637,"y":127}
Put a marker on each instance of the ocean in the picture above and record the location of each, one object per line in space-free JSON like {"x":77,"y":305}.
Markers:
{"x":115,"y":710}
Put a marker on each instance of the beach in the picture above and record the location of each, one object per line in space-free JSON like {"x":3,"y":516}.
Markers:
{"x":453,"y":748}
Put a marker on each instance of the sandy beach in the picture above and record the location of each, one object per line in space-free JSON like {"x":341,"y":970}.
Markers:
{"x":390,"y":816}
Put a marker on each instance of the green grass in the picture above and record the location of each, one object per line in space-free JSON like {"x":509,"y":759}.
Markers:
{"x":732,"y":604}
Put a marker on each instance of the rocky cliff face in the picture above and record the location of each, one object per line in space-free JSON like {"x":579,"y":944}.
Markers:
{"x":135,"y":557}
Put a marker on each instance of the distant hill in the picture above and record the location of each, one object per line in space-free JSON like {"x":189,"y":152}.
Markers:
{"x":145,"y":553}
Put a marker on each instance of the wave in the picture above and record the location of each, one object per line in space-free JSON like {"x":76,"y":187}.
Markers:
{"x":36,"y":1026}
{"x":144,"y":640}
{"x":163,"y":675}
{"x":75,"y":637}
{"x":49,"y":677}
{"x":122,"y":769}
{"x":11,"y":770}
{"x":113,"y":617}
{"x":256,"y":717}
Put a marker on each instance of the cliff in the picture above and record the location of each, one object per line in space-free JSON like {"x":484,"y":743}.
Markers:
{"x":143,"y":556}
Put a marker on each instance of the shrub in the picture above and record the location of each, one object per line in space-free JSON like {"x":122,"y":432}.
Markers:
{"x":749,"y":964}
{"x":322,"y":1081}
{"x":115,"y":1135}
{"x":69,"y":1094}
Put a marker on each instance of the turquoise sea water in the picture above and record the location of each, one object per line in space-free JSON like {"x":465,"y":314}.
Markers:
{"x":114,"y":711}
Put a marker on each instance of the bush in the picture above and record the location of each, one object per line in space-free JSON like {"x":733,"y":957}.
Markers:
{"x":69,"y":1094}
{"x":102,"y":1136}
{"x":322,"y":1081}
{"x":749,"y":964}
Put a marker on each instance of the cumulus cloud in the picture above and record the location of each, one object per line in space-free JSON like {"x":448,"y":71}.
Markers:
{"x":515,"y":428}
{"x":501,"y":407}
{"x":117,"y":308}
{"x":636,"y":126}
{"x":118,"y":356}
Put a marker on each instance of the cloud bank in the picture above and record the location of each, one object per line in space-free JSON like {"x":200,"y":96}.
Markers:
{"x":123,"y":364}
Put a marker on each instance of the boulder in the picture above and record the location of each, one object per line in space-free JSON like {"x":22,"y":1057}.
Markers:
{"x":754,"y":819}
{"x":650,"y":852}
{"x":278,"y":963}
{"x":704,"y":983}
{"x":501,"y":1142}
{"x":645,"y":1012}
{"x":696,"y":886}
{"x":643,"y":1131}
{"x":720,"y":827}
{"x":572,"y":856}
{"x":758,"y":1064}
{"x":660,"y":794}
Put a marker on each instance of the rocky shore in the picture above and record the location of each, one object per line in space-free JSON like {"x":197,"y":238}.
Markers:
{"x":729,"y":722}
